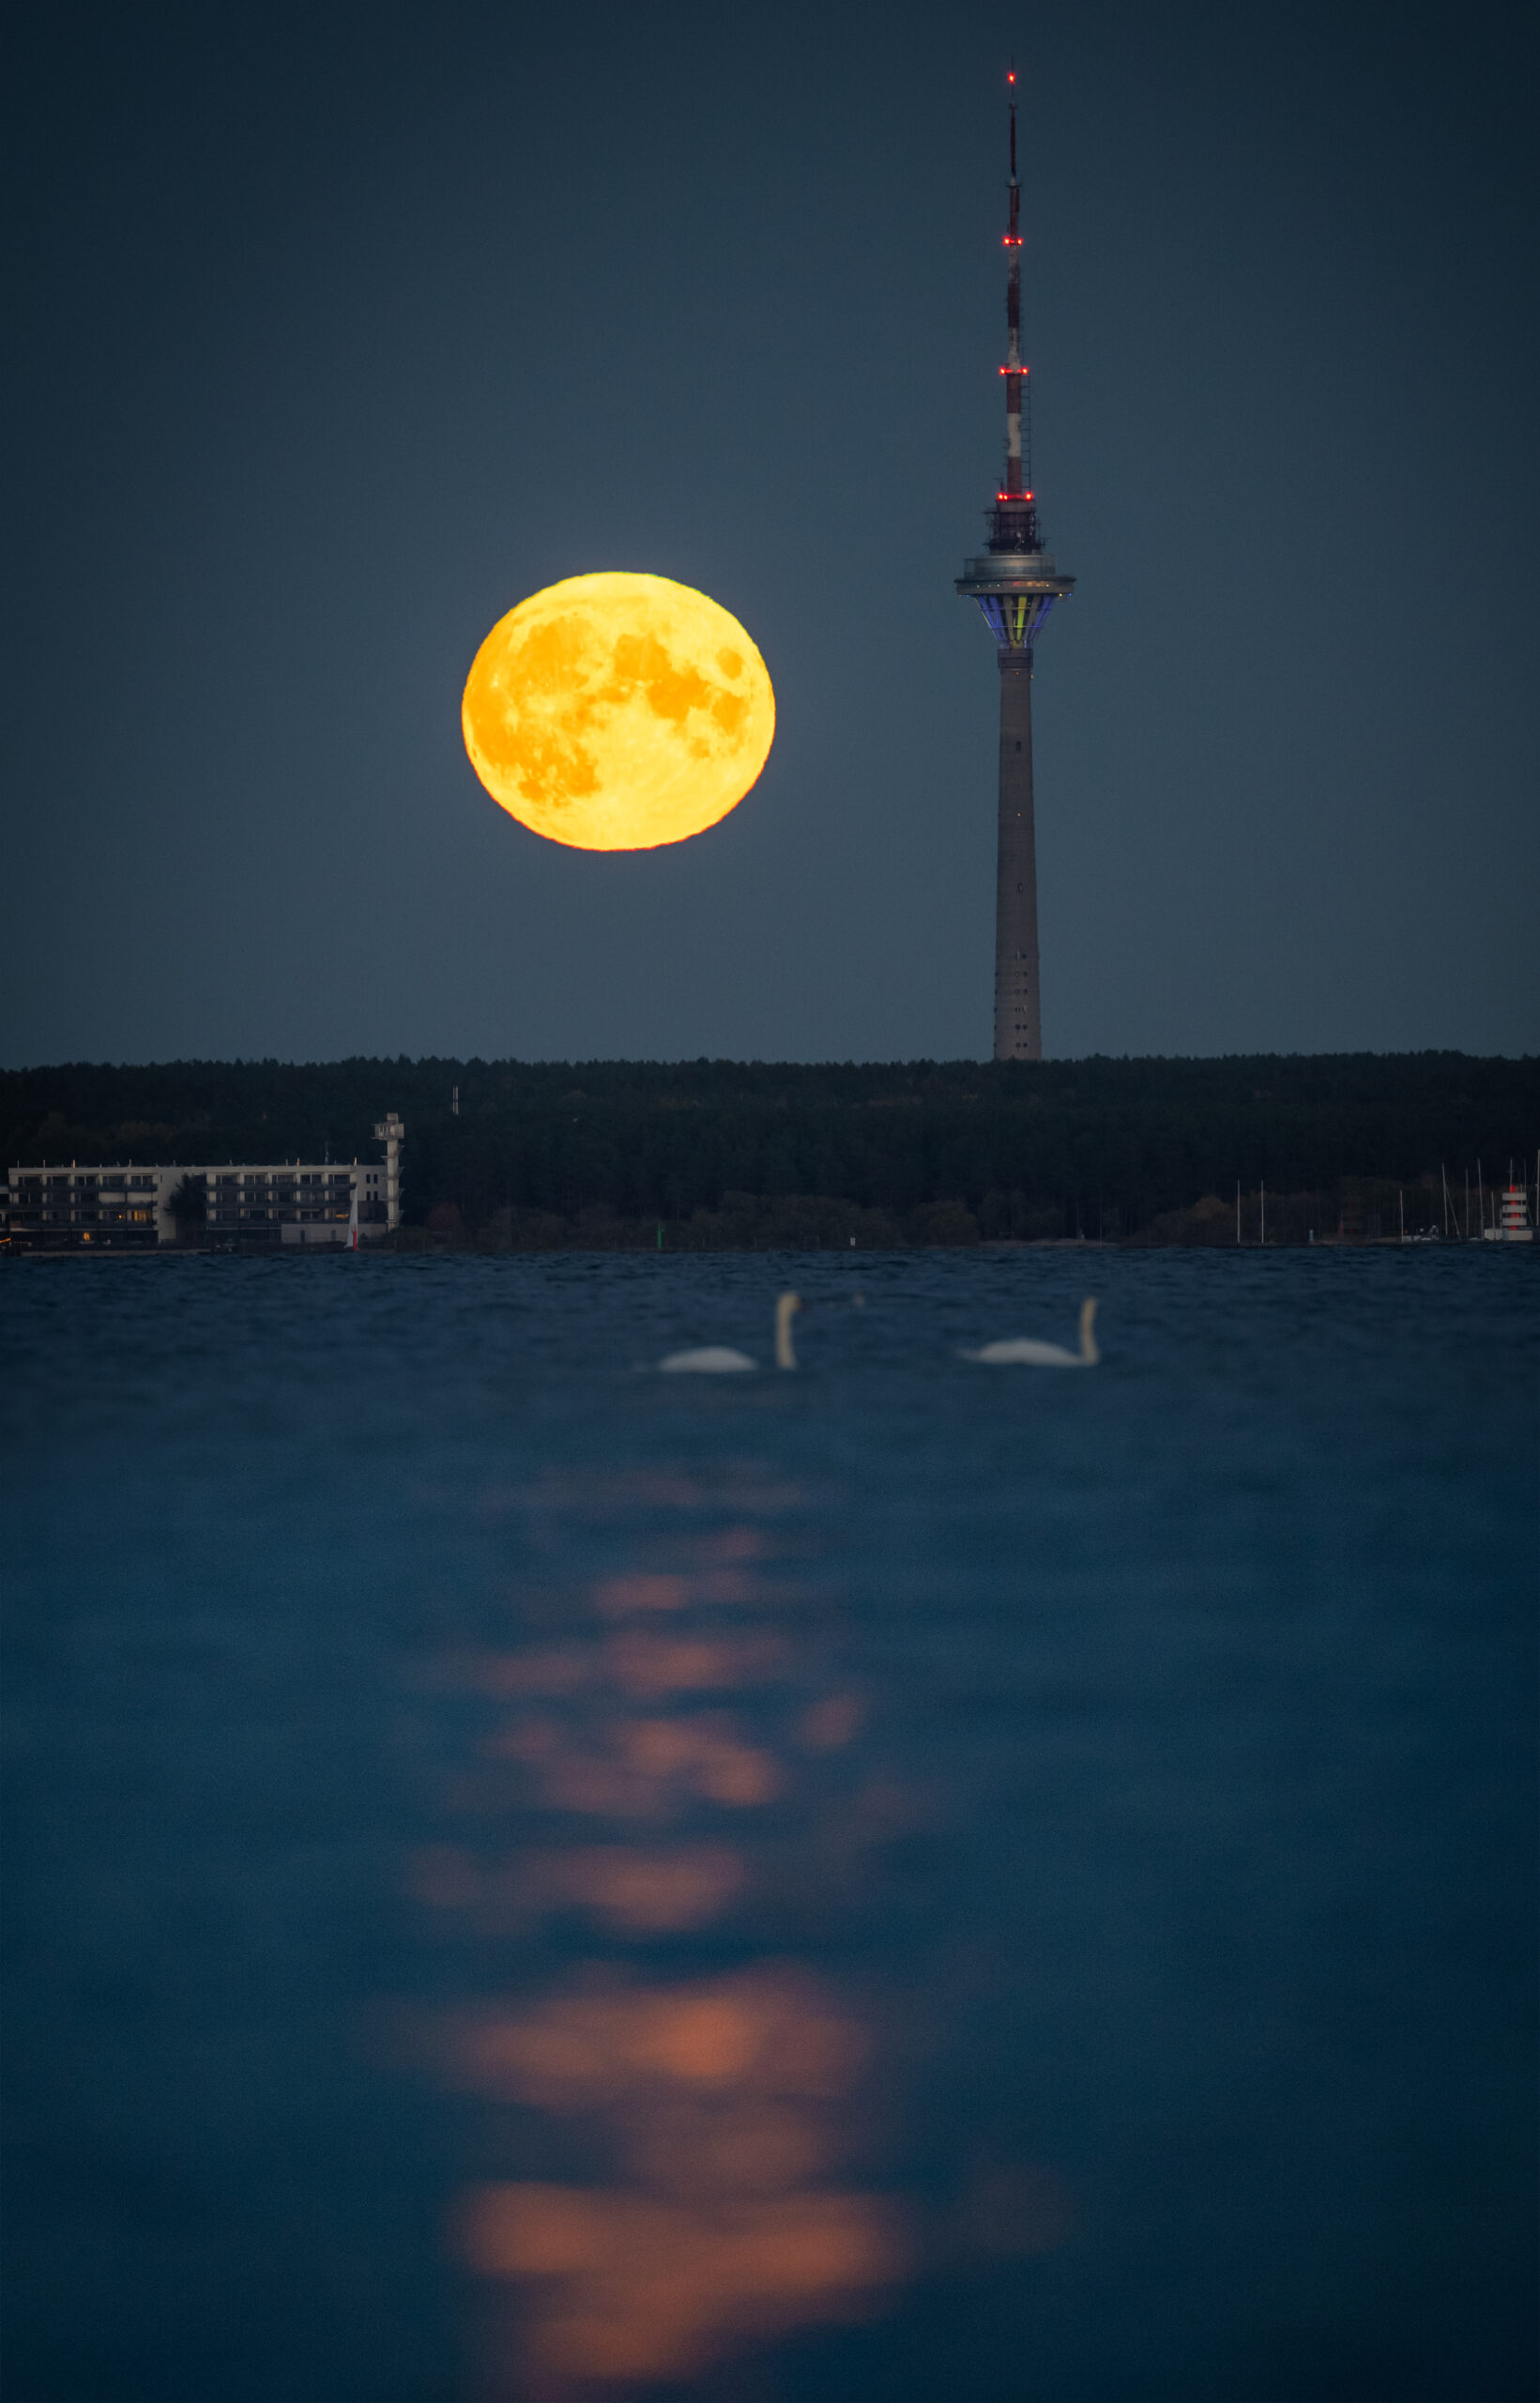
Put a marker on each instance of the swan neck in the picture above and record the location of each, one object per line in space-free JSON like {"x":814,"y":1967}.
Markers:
{"x":785,"y":1357}
{"x":1088,"y":1353}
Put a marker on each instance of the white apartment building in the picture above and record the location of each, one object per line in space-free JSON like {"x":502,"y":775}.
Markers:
{"x":248,"y":1207}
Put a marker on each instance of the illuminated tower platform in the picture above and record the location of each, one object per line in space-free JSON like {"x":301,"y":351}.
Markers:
{"x":1015,"y":585}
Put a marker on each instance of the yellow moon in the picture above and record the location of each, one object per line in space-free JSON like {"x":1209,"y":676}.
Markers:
{"x":616,"y":712}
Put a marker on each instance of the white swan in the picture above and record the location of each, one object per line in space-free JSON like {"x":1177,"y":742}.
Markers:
{"x":721,"y":1360}
{"x":1025,"y":1349}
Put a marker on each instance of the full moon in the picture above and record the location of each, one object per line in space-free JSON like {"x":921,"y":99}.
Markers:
{"x":616,"y":712}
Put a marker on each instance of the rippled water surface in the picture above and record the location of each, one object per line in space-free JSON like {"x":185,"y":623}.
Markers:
{"x":530,"y":1878}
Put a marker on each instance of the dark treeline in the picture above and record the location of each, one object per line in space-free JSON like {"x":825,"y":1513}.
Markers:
{"x":924,"y":1151}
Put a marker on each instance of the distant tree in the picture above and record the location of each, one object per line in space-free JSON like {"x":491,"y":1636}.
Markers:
{"x":188,"y":1203}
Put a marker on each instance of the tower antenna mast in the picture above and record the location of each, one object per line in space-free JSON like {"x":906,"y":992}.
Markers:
{"x":1015,"y":584}
{"x":1017,"y":484}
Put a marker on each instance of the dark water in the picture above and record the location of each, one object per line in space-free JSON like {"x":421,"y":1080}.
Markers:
{"x":530,"y":1878}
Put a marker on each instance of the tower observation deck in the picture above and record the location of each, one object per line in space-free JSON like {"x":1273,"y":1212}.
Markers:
{"x":1015,"y":584}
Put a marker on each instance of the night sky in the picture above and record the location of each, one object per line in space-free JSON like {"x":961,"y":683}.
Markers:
{"x":339,"y":330}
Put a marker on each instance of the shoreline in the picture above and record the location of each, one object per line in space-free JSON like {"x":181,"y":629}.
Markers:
{"x":289,"y":1253}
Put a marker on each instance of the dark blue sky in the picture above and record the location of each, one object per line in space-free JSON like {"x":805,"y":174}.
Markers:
{"x":342,"y":330}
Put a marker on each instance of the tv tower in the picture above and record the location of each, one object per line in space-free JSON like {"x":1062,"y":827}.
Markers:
{"x":1015,"y":585}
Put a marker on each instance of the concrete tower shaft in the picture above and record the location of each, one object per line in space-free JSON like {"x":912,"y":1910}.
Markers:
{"x":1015,"y":584}
{"x":1018,"y":1007}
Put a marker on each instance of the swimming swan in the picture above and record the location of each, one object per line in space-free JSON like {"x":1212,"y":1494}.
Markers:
{"x":1025,"y":1349}
{"x":720,"y":1360}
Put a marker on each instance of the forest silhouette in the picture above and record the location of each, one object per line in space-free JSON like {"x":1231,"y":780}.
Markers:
{"x":713,"y":1153}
